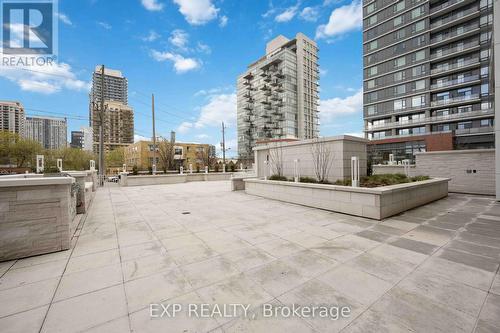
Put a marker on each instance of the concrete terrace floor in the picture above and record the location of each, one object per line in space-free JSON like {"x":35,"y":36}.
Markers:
{"x":432,"y":269}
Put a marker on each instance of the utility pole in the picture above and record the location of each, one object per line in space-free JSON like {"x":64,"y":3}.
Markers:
{"x":101,"y":132}
{"x":154,"y":133}
{"x":223,"y":144}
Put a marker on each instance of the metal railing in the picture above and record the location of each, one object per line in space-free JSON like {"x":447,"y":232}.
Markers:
{"x":454,"y":99}
{"x":456,"y":65}
{"x":465,"y":79}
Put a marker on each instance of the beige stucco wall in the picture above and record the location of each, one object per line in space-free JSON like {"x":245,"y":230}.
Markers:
{"x":471,"y":171}
{"x":342,"y":149}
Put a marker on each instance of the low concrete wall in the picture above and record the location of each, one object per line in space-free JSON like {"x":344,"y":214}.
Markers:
{"x":36,"y":216}
{"x":375,"y":203}
{"x":85,"y":194}
{"x":471,"y":171}
{"x":126,"y":180}
{"x":392,"y":169}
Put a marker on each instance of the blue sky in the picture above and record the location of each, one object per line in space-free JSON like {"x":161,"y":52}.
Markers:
{"x":189,"y":54}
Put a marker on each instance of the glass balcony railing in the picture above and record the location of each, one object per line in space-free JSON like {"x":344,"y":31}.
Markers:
{"x":456,"y":99}
{"x":456,"y":32}
{"x":444,"y":5}
{"x":457,"y":48}
{"x":455,"y":81}
{"x":456,"y":65}
{"x":453,"y":17}
{"x":421,"y":121}
{"x":475,"y":130}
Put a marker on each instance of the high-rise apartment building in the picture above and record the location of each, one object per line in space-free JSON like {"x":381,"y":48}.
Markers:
{"x":82,"y":139}
{"x":50,"y":132}
{"x":278,"y":94}
{"x":76,"y":139}
{"x":12,"y":117}
{"x":118,"y":115}
{"x":427,"y":76}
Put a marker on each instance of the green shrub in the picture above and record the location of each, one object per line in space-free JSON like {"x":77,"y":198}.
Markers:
{"x":278,"y":177}
{"x":343,"y":182}
{"x":307,"y":180}
{"x":419,"y":178}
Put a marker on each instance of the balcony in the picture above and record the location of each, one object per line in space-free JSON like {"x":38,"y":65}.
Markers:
{"x":444,"y":5}
{"x":451,"y":18}
{"x":456,"y":65}
{"x":449,"y":83}
{"x":456,"y":99}
{"x":434,"y":119}
{"x":454,"y":33}
{"x":476,"y":130}
{"x":456,"y":49}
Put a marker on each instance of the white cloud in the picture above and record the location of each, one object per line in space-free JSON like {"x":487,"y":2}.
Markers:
{"x":214,"y":91}
{"x":310,"y":14}
{"x":152,"y":5}
{"x":287,"y":15}
{"x":201,"y":47}
{"x":181,"y":64}
{"x":342,"y":20}
{"x":323,"y":72}
{"x":64,"y":18}
{"x":138,"y":138}
{"x":202,"y":136}
{"x":223,"y":21}
{"x":153,"y":35}
{"x":335,"y":107}
{"x":179,"y":38}
{"x":219,"y":108}
{"x":47,"y":79}
{"x":104,"y":25}
{"x":197,"y":12}
{"x":184,"y":127}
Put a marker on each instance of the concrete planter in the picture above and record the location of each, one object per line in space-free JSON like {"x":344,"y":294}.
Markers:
{"x":375,"y":203}
{"x":36,"y":216}
{"x":126,"y":180}
{"x":85,"y":194}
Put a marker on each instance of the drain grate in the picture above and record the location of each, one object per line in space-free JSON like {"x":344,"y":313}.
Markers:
{"x":186,"y":213}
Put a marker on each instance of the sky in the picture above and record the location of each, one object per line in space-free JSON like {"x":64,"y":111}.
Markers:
{"x":189,"y":54}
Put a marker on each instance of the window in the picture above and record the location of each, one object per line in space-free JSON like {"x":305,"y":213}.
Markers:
{"x":372,"y":71}
{"x":372,"y":20}
{"x":418,"y":130}
{"x":400,"y":62}
{"x":373,"y":45}
{"x":399,"y":76}
{"x":400,"y":34}
{"x":178,"y":151}
{"x":398,"y":90}
{"x":370,"y":84}
{"x":465,"y":125}
{"x":443,"y":127}
{"x":419,"y":56}
{"x":419,"y":70}
{"x":371,"y":110}
{"x":486,"y":122}
{"x":371,"y":8}
{"x":372,"y":96}
{"x":417,"y":12}
{"x":399,"y":104}
{"x":419,"y":85}
{"x":485,"y":89}
{"x":464,"y":92}
{"x":419,"y":26}
{"x":398,"y":20}
{"x":418,"y":101}
{"x":399,"y":6}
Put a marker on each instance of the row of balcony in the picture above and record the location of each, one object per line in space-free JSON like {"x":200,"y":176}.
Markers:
{"x":444,"y":5}
{"x":457,"y":81}
{"x":458,"y":48}
{"x":434,"y":119}
{"x":453,"y":17}
{"x":456,"y":65}
{"x":456,"y":32}
{"x":456,"y":99}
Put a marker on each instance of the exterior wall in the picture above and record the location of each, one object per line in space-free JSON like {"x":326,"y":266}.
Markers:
{"x":12,"y":117}
{"x":342,"y":149}
{"x":50,"y":132}
{"x":496,"y":70}
{"x":126,"y":180}
{"x":36,"y":216}
{"x":376,"y":203}
{"x":392,"y":169}
{"x":471,"y":171}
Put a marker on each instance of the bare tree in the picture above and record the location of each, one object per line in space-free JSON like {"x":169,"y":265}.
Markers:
{"x":207,"y":156}
{"x":276,"y":159}
{"x":166,"y":152}
{"x":322,"y":159}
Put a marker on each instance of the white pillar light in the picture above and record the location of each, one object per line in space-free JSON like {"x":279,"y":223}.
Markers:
{"x":391,"y":159}
{"x":355,"y":171}
{"x":59,"y":164}
{"x":241,"y":166}
{"x":206,"y":169}
{"x":265,"y":169}
{"x":190,"y":168}
{"x":92,"y":165}
{"x":406,"y":166}
{"x":124,"y":168}
{"x":39,"y":163}
{"x":296,"y":170}
{"x":223,"y":168}
{"x":182,"y":170}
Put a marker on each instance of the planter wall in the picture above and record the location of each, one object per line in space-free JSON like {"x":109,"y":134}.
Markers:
{"x":36,"y":216}
{"x":374,"y":203}
{"x":126,"y":180}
